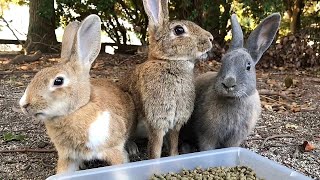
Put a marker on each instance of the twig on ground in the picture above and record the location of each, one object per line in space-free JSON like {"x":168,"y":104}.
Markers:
{"x":254,"y":139}
{"x":34,"y":72}
{"x":313,"y":79}
{"x":260,"y":127}
{"x":275,"y":126}
{"x":46,"y":164}
{"x":270,"y":93}
{"x":29,"y":150}
{"x":269,"y":98}
{"x":277,"y":136}
{"x":282,"y":145}
{"x":121,"y":62}
{"x":17,"y":72}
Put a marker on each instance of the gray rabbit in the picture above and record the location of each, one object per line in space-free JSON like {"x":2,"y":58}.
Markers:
{"x":227,"y":103}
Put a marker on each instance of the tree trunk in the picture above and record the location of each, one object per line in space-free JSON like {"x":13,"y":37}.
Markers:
{"x":296,"y":13}
{"x":294,"y":10}
{"x":41,"y":32}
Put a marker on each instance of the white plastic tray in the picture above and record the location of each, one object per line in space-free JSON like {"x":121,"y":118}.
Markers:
{"x":229,"y":157}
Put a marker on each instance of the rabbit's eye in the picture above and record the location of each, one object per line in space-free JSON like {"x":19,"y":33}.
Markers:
{"x":248,"y":67}
{"x":58,"y":81}
{"x":178,"y":30}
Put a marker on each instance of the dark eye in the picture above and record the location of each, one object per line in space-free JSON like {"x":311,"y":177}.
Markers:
{"x":178,"y":30}
{"x":58,"y":81}
{"x":248,"y":67}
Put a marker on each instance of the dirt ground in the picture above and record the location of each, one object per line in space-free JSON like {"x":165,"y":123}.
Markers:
{"x":290,"y":117}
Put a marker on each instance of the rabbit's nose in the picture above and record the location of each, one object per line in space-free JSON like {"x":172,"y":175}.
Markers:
{"x":229,"y":83}
{"x":25,"y":106}
{"x":211,"y":38}
{"x":228,"y":86}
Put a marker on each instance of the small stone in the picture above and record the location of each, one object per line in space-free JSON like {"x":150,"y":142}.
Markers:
{"x":42,"y":144}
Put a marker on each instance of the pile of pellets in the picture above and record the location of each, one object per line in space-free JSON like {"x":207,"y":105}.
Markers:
{"x":216,"y":173}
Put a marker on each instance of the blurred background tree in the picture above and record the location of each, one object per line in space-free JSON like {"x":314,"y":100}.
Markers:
{"x":118,"y":17}
{"x":123,"y":19}
{"x":41,"y":32}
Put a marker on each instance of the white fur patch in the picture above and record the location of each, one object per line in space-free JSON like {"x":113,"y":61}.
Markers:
{"x":190,"y":65}
{"x":99,"y":131}
{"x":23,"y":99}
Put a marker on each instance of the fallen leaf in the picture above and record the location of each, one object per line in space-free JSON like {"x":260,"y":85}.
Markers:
{"x":295,"y":109}
{"x":307,"y":146}
{"x":25,"y":76}
{"x":268,"y":107}
{"x":24,"y":67}
{"x":19,"y":83}
{"x":292,"y":126}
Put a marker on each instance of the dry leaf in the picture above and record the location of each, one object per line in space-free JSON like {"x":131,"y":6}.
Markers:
{"x":24,"y":67}
{"x":295,"y":109}
{"x":307,"y":146}
{"x":268,"y":107}
{"x":25,"y":76}
{"x":293,"y":126}
{"x":19,"y":83}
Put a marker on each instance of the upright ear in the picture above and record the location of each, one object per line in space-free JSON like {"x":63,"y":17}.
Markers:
{"x":237,"y":35}
{"x":68,"y":40}
{"x":261,"y":38}
{"x":157,"y":11}
{"x":88,"y":42}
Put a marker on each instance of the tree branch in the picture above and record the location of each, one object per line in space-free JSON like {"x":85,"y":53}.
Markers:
{"x":7,"y":24}
{"x":26,"y":150}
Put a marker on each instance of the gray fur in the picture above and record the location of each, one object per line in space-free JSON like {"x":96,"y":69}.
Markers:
{"x":237,"y":35}
{"x":227,"y":103}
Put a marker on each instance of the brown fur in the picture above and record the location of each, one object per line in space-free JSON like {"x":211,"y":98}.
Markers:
{"x":69,"y":111}
{"x":162,"y":87}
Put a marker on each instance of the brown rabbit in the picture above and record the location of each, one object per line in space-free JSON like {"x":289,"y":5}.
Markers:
{"x":85,"y":118}
{"x":162,"y":87}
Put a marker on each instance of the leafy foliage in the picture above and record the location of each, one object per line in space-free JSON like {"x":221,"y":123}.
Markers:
{"x":115,"y":15}
{"x":211,"y":15}
{"x":4,"y":4}
{"x":13,"y":137}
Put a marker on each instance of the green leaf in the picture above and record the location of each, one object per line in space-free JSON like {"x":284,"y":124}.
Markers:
{"x":13,"y":137}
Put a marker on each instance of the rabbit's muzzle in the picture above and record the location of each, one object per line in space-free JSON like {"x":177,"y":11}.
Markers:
{"x":30,"y":108}
{"x":205,"y":44}
{"x":229,"y":84}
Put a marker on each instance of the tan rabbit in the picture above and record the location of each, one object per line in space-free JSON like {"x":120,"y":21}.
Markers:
{"x":162,"y":87}
{"x":85,"y":118}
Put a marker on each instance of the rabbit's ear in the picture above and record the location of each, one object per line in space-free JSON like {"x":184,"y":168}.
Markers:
{"x":261,"y":38}
{"x":88,"y":42}
{"x":157,"y":11}
{"x":68,"y":40}
{"x":237,"y":35}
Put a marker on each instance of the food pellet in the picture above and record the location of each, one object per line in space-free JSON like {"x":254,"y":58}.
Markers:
{"x":216,"y":173}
